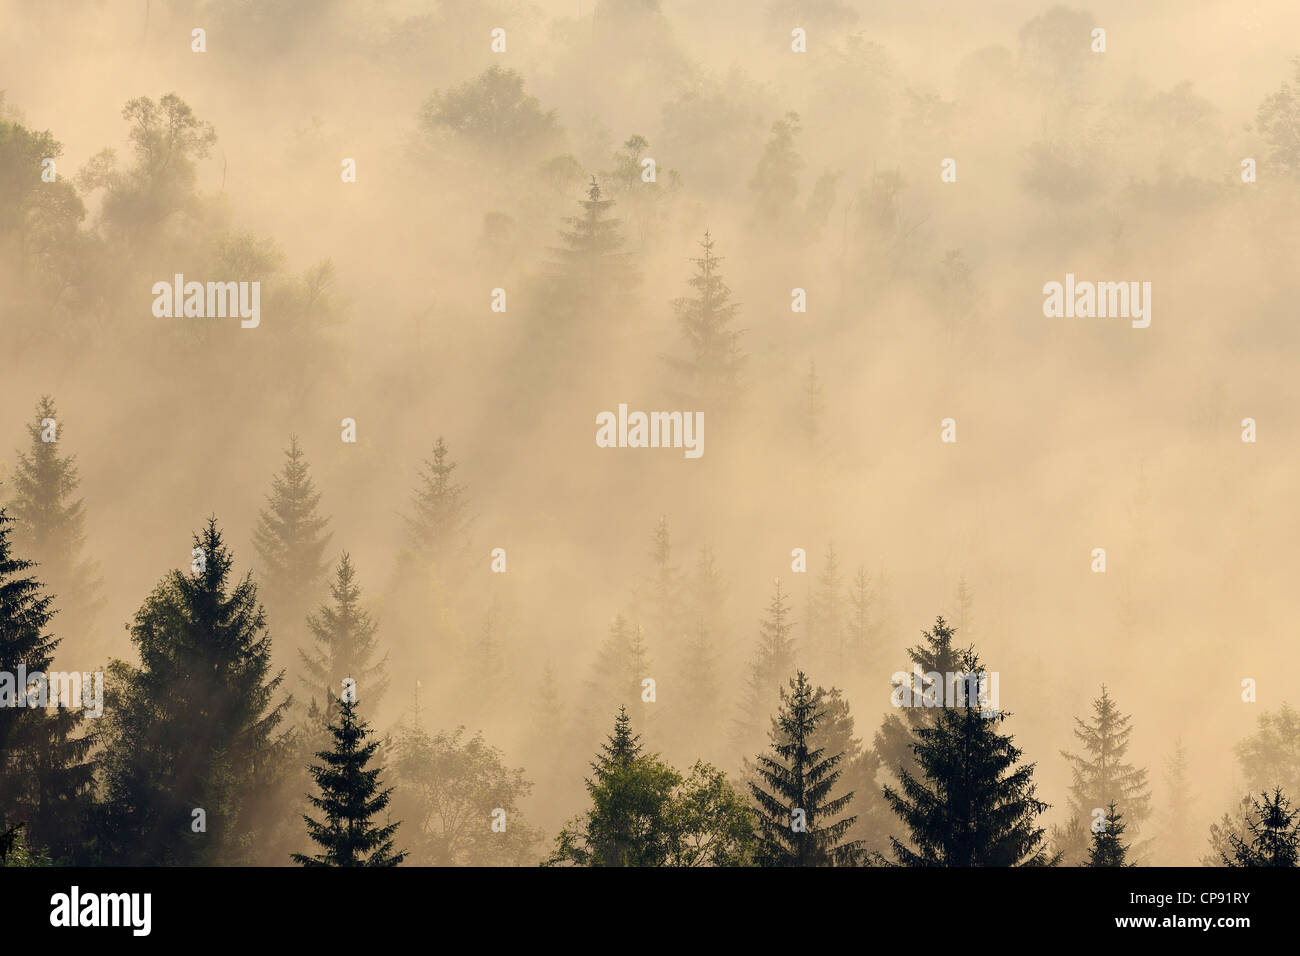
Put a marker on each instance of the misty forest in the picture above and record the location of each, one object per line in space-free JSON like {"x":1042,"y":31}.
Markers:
{"x":648,"y":433}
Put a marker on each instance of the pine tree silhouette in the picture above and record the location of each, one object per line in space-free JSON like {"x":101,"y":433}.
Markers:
{"x":970,"y":805}
{"x":1107,"y":848}
{"x":796,"y":814}
{"x":1274,"y":829}
{"x":350,"y":798}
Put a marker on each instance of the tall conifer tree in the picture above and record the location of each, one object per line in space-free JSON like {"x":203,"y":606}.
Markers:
{"x":350,"y":799}
{"x":970,"y":804}
{"x":800,"y":822}
{"x":50,"y":528}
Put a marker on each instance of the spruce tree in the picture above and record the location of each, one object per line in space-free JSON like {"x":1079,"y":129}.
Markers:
{"x":439,"y":521}
{"x":797,"y":816}
{"x":631,"y":807}
{"x":970,"y":804}
{"x":1274,"y":835}
{"x":659,"y":599}
{"x":711,"y":371}
{"x":290,"y":538}
{"x":50,"y":529}
{"x":46,"y":771}
{"x":774,"y":657}
{"x":591,"y":272}
{"x":195,"y":725}
{"x":826,"y":636}
{"x":345,"y":643}
{"x":860,"y":642}
{"x":835,"y":735}
{"x":350,"y":798}
{"x":1101,"y":775}
{"x":1108,"y":849}
{"x":896,"y":736}
{"x":621,"y":664}
{"x":695,"y":700}
{"x":1176,"y":839}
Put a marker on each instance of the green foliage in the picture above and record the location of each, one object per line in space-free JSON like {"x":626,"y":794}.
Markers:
{"x":195,"y":725}
{"x":350,"y":798}
{"x":644,"y":813}
{"x":45,"y":763}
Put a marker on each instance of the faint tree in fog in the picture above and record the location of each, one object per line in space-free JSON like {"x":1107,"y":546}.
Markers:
{"x":1101,"y":774}
{"x":50,"y":528}
{"x":448,"y":791}
{"x":493,"y":115}
{"x":774,"y":658}
{"x":344,"y":642}
{"x":290,"y":538}
{"x":711,"y":371}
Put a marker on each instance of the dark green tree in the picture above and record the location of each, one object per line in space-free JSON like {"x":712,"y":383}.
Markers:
{"x":350,"y":798}
{"x":46,"y":770}
{"x":345,"y":641}
{"x":290,"y":538}
{"x":970,"y":805}
{"x":1108,"y":849}
{"x":50,"y":527}
{"x":631,"y":805}
{"x":195,"y":726}
{"x":799,"y":822}
{"x":645,"y":813}
{"x":1274,"y":834}
{"x":896,"y":736}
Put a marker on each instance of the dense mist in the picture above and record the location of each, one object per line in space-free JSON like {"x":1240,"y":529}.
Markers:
{"x":825,"y":231}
